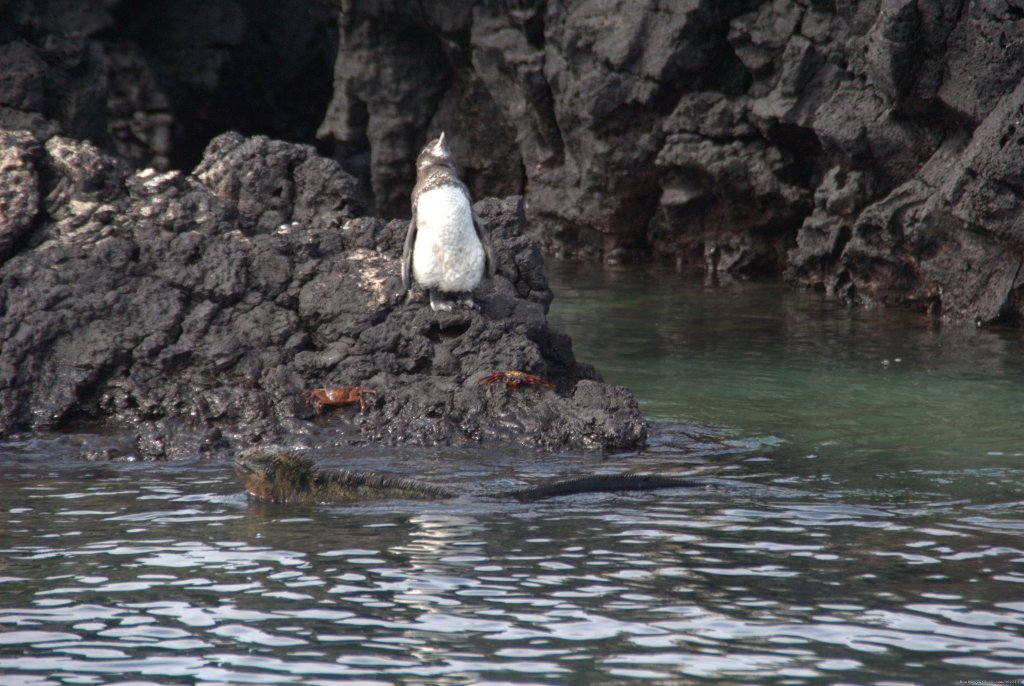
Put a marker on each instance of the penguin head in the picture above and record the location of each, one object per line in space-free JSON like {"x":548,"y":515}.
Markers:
{"x":436,"y":152}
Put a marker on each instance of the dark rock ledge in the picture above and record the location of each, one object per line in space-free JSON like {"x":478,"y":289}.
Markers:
{"x":195,"y":309}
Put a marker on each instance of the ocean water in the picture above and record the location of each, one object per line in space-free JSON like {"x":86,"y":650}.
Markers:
{"x":861,"y":524}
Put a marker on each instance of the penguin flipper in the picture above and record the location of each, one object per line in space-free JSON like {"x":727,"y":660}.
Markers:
{"x":410,"y":238}
{"x":485,"y":241}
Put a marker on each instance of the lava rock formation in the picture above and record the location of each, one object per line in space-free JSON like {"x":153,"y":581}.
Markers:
{"x":196,"y":309}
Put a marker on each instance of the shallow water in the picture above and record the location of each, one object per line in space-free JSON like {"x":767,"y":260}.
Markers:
{"x":863,"y":526}
{"x":856,"y":394}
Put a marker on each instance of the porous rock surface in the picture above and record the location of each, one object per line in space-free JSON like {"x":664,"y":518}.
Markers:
{"x":154,"y":81}
{"x":196,"y":309}
{"x":864,"y":149}
{"x":869,"y":149}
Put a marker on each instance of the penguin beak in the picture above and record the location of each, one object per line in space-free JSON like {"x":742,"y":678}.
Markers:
{"x":441,"y":148}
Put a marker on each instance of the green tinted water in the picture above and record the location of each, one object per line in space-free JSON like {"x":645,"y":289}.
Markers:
{"x":861,"y":393}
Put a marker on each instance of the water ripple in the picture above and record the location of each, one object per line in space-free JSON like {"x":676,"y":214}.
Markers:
{"x":756,"y":584}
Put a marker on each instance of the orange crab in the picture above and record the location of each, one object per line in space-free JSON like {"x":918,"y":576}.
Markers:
{"x":514,"y":379}
{"x":339,"y":395}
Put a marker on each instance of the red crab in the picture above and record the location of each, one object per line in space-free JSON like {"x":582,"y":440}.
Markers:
{"x":339,"y":395}
{"x":514,"y":379}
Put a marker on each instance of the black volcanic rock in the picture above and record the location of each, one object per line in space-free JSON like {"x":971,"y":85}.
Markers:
{"x":199,"y":308}
{"x":950,"y":239}
{"x":804,"y":139}
{"x":154,"y":81}
{"x":754,"y":138}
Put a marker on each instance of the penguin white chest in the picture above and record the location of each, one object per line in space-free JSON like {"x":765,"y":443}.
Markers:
{"x":447,"y":254}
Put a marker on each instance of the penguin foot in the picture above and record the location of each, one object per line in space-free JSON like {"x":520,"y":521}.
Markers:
{"x":467,"y":301}
{"x":438,"y":303}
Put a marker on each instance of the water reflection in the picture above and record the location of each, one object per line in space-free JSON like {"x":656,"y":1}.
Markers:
{"x":838,"y":542}
{"x":760,"y":586}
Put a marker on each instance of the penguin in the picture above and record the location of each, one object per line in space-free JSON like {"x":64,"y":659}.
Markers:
{"x":447,"y":250}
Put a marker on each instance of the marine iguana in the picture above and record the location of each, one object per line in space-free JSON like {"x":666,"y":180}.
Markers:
{"x":282,"y":476}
